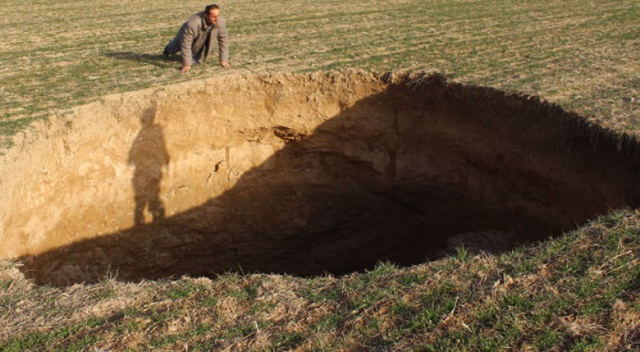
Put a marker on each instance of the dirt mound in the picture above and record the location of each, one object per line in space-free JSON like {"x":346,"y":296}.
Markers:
{"x":301,"y":174}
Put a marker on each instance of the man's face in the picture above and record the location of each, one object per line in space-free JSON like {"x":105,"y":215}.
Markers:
{"x":213,"y":16}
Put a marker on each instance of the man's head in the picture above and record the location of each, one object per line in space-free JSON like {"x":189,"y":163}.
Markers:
{"x":212,"y":14}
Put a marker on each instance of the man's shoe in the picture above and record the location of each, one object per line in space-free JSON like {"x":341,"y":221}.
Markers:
{"x":165,"y":53}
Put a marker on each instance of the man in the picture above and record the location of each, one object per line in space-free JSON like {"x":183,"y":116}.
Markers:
{"x":195,"y":37}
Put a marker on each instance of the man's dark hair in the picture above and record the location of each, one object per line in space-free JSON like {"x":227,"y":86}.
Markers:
{"x":211,"y":7}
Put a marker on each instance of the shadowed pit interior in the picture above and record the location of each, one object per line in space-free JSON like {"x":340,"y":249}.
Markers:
{"x":303,"y":174}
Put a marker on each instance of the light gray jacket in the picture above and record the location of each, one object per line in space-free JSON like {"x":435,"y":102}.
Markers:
{"x":193,"y":36}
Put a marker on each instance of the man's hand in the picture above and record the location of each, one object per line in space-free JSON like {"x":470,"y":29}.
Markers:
{"x":186,"y":69}
{"x":225,"y":64}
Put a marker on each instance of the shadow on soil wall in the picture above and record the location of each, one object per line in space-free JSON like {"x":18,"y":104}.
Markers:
{"x":405,"y":175}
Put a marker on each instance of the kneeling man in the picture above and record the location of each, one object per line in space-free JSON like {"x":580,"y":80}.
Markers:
{"x":195,"y":37}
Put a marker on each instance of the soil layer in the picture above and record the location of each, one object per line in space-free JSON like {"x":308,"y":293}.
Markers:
{"x":301,"y":174}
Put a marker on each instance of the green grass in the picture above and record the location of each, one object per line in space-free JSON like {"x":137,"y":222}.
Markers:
{"x":582,"y":56}
{"x":74,"y":338}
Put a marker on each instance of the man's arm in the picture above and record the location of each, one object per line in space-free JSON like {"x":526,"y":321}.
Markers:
{"x":185,"y":48}
{"x":223,"y":43}
{"x":189,"y":31}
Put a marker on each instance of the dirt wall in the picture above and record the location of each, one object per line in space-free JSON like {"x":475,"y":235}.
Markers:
{"x":303,"y":174}
{"x":72,"y":177}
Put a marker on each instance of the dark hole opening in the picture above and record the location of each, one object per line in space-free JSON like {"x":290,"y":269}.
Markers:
{"x":404,"y":176}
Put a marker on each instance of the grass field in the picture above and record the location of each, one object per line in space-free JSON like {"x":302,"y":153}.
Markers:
{"x":581,"y":55}
{"x":578,"y":292}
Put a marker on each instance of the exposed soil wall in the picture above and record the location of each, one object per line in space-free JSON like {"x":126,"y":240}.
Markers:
{"x":301,"y":174}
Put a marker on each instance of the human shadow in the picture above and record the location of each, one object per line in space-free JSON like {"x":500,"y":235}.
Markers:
{"x":152,"y":59}
{"x":393,"y":178}
{"x":148,"y":155}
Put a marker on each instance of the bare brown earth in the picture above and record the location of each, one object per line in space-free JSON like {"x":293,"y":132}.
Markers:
{"x":301,"y":174}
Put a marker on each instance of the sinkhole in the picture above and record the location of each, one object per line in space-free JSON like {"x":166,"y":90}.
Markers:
{"x":303,"y":174}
